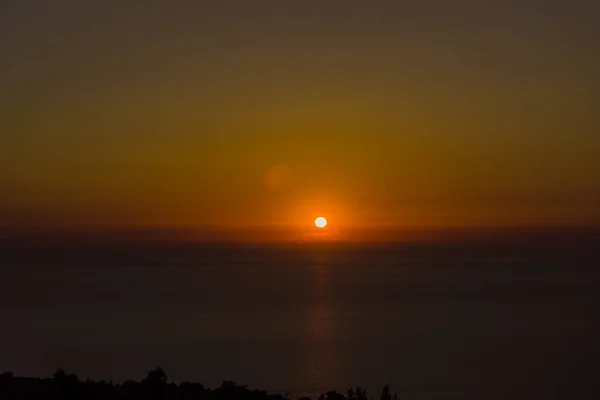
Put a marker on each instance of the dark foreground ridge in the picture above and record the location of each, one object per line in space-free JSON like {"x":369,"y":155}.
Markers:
{"x":155,"y":386}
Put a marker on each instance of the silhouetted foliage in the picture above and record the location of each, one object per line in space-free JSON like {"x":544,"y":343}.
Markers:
{"x":7,"y":375}
{"x":357,"y":393}
{"x":157,"y":376}
{"x":155,"y":386}
{"x":332,"y":395}
{"x":7,"y":385}
{"x":385,"y":393}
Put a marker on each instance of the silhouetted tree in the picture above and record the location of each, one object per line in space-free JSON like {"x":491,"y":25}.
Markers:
{"x":60,"y":374}
{"x":155,"y":384}
{"x":332,"y":395}
{"x":385,"y":393}
{"x":7,"y":375}
{"x":66,"y":386}
{"x":191,"y":390}
{"x":357,"y":393}
{"x":156,"y":376}
{"x":7,"y":385}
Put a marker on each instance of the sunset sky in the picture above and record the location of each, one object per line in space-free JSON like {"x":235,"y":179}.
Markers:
{"x":238,"y":113}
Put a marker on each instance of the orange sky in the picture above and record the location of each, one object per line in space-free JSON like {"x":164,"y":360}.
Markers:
{"x":236,"y":116}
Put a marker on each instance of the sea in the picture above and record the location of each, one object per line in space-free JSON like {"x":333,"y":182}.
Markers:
{"x":431,"y":320}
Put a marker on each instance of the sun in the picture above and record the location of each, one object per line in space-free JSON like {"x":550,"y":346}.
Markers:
{"x":320,"y":222}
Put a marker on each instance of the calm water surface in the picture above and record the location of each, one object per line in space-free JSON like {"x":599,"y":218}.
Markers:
{"x":430,"y":321}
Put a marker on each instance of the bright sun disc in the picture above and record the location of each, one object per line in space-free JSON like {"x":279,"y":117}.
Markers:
{"x":321,"y":222}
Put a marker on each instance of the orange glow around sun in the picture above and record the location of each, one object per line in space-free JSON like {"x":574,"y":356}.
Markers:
{"x":320,"y":222}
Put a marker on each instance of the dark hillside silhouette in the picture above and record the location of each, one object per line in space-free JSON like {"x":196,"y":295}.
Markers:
{"x":156,"y":386}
